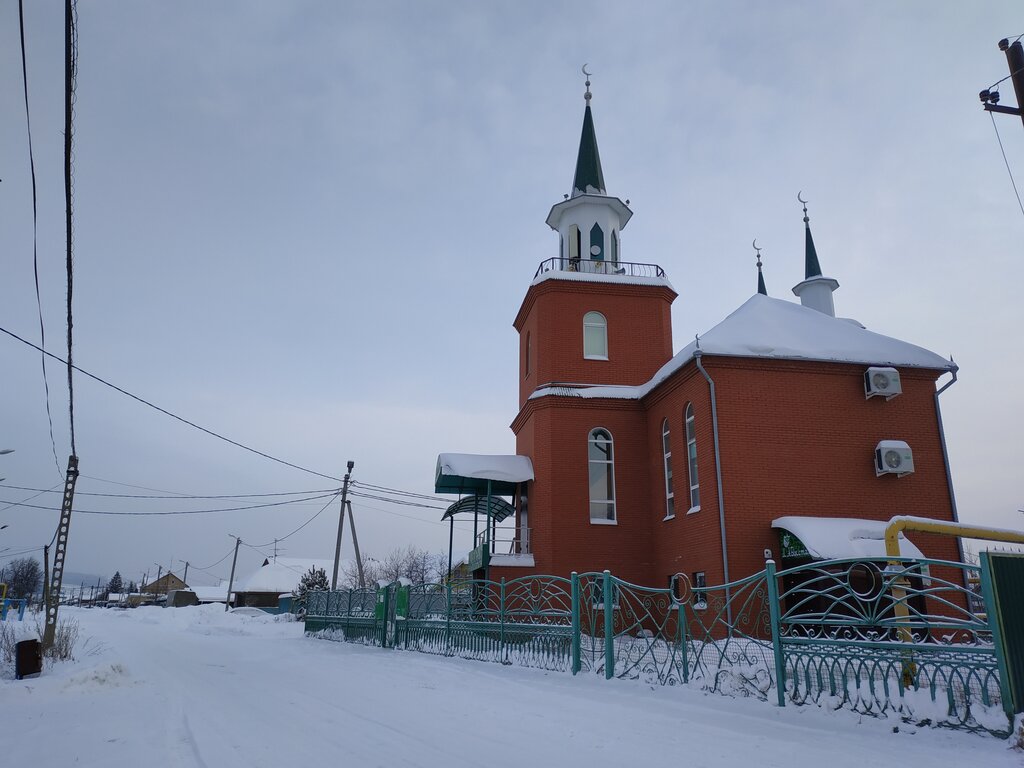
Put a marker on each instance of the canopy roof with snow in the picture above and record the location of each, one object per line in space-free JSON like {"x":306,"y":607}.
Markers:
{"x":478,"y":473}
{"x":764,"y":327}
{"x":839,"y":538}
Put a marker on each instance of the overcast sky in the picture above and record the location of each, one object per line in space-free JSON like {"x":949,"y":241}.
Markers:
{"x":309,"y":225}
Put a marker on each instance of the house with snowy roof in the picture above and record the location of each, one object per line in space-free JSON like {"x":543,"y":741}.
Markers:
{"x":784,"y":431}
{"x":276,"y":578}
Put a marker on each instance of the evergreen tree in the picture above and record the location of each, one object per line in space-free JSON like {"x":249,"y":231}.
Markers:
{"x":116,"y":585}
{"x":132,"y":588}
{"x":314,"y":580}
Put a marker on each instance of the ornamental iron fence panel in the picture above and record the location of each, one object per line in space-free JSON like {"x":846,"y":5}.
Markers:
{"x":858,"y":634}
{"x":878,"y":637}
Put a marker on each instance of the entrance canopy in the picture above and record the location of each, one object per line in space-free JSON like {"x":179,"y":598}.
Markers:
{"x":498,"y":509}
{"x":837,"y":538}
{"x":477,"y":473}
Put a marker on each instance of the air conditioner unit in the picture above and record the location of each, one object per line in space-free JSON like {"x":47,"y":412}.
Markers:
{"x":882,"y":381}
{"x":893,"y":457}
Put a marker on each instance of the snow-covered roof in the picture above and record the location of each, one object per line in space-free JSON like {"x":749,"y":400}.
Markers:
{"x":772,"y":328}
{"x":206,"y":594}
{"x":470,"y":472}
{"x":282,"y":576}
{"x":516,"y":469}
{"x":836,"y":538}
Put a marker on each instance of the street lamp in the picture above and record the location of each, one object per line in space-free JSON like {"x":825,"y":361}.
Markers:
{"x":4,"y":452}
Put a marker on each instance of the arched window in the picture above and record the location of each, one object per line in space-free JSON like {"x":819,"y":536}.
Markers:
{"x":602,"y":477}
{"x":615,"y":248}
{"x":691,"y":458}
{"x":596,"y":243}
{"x":666,"y":447}
{"x":595,"y":336}
{"x":526,"y":355}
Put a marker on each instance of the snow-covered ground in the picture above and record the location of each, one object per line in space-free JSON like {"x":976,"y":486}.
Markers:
{"x":198,"y":687}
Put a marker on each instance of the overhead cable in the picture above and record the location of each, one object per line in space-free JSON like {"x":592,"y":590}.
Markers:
{"x":183,"y":511}
{"x":168,"y":413}
{"x":35,"y":229}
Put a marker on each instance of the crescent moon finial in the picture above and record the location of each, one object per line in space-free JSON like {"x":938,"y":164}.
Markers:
{"x":587,"y":95}
{"x":584,"y":70}
{"x":758,"y":253}
{"x":799,"y":197}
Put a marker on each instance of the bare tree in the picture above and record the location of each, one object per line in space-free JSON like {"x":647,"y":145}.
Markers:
{"x":24,"y":576}
{"x":417,"y":565}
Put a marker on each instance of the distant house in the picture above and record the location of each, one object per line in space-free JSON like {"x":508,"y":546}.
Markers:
{"x":163,"y":585}
{"x":217,"y":594}
{"x":264,"y":587}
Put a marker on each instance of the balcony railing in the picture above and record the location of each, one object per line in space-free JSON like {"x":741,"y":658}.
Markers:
{"x":507,"y":542}
{"x":587,"y":266}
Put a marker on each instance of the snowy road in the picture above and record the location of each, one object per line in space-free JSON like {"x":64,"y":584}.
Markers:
{"x":195,"y":687}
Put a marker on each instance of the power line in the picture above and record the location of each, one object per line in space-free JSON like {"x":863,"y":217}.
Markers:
{"x":400,"y":502}
{"x":226,"y":556}
{"x":1014,"y":183}
{"x":411,"y":494}
{"x":35,"y":228}
{"x":182,"y":512}
{"x":33,"y":496}
{"x":70,"y":77}
{"x":178,"y":496}
{"x":314,"y":517}
{"x":168,"y":413}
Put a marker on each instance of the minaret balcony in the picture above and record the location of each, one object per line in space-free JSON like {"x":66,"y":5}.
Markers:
{"x":599,"y":267}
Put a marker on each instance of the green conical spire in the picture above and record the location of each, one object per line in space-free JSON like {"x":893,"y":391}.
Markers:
{"x":760,"y":277}
{"x":588,"y":161}
{"x":811,"y":266}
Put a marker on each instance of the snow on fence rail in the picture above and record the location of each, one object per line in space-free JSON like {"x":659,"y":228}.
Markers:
{"x":857,"y":634}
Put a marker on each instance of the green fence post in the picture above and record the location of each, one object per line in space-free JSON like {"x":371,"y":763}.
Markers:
{"x":448,"y":620}
{"x":774,"y":613}
{"x":501,"y":619}
{"x":609,"y":627}
{"x":989,"y":594}
{"x":348,"y":613}
{"x":681,"y":634}
{"x":574,"y":580}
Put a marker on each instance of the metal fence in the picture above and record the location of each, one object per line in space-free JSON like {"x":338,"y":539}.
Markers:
{"x":861,"y":634}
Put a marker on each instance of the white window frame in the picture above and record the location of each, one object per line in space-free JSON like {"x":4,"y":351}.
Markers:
{"x":609,"y":464}
{"x":590,"y":320}
{"x":692,"y":474}
{"x":666,"y":449}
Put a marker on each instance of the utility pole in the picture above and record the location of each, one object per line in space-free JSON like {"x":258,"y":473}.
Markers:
{"x":46,"y":577}
{"x":355,"y":543}
{"x":231,"y":581}
{"x":57,"y":579}
{"x":159,"y":571}
{"x":1015,"y":61}
{"x":185,"y":577}
{"x":275,"y":550}
{"x":341,"y":523}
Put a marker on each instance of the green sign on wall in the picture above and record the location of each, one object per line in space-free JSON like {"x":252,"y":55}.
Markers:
{"x":479,"y":557}
{"x":792,"y":546}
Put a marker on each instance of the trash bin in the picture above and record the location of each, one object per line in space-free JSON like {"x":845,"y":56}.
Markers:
{"x":28,"y":658}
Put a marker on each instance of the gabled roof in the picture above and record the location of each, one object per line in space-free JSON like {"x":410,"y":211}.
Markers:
{"x":282,"y":576}
{"x":764,"y":327}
